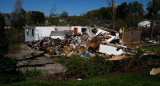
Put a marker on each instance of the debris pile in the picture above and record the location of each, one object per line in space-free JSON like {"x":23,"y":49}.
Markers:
{"x":65,"y":43}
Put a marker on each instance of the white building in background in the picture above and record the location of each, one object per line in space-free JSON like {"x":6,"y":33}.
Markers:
{"x":145,"y":23}
{"x":33,"y":33}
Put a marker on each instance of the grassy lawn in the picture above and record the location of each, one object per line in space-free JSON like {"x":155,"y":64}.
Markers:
{"x":154,"y":49}
{"x":116,"y":80}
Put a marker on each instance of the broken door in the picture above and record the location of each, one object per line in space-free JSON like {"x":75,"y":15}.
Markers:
{"x":75,"y":31}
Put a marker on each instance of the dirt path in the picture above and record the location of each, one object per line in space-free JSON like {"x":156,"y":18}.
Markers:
{"x":31,"y":59}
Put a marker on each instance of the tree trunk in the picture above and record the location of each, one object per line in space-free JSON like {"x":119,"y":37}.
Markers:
{"x":152,"y":27}
{"x":113,"y":15}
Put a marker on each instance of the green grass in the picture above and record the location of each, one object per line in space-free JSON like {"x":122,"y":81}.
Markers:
{"x":144,"y":43}
{"x":60,"y":59}
{"x":32,"y":73}
{"x":14,"y":47}
{"x":116,"y":80}
{"x":154,"y":49}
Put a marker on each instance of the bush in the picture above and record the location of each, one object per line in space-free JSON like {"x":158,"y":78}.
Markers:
{"x":7,"y":65}
{"x":60,"y":59}
{"x":140,"y":64}
{"x":15,"y":36}
{"x":32,"y":73}
{"x":80,"y":67}
{"x":8,"y":73}
{"x":16,"y":76}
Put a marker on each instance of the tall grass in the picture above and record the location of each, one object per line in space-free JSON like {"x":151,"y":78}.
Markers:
{"x":14,"y":46}
{"x":154,"y":49}
{"x":32,"y":73}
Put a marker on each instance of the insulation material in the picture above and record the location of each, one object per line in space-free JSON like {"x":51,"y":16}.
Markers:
{"x":101,"y":31}
{"x":110,"y":50}
{"x":110,"y":39}
{"x":60,"y":37}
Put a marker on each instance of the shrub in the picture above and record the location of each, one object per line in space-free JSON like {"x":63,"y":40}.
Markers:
{"x":8,"y":73}
{"x":60,"y":59}
{"x":80,"y":67}
{"x":16,"y":76}
{"x":32,"y":73}
{"x":7,"y":65}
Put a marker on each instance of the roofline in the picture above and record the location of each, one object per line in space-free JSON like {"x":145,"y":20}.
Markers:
{"x":55,"y":26}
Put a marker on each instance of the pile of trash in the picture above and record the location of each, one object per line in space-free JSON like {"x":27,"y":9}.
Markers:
{"x":104,"y":43}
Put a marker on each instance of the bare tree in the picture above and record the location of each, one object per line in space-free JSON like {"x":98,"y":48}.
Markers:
{"x":17,"y":8}
{"x":111,"y":3}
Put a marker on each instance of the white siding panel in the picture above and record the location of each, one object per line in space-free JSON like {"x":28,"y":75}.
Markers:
{"x":107,"y":49}
{"x":45,"y":31}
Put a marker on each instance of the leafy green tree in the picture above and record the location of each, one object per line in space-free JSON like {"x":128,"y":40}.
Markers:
{"x":53,"y":18}
{"x":153,"y":14}
{"x":20,"y":23}
{"x":122,"y":11}
{"x":129,"y":15}
{"x":8,"y":71}
{"x":17,"y":9}
{"x":153,"y":7}
{"x":7,"y":16}
{"x":135,"y":13}
{"x":102,"y":13}
{"x":35,"y":18}
{"x":135,"y":8}
{"x":3,"y":40}
{"x":64,"y":15}
{"x":18,"y":15}
{"x":78,"y":20}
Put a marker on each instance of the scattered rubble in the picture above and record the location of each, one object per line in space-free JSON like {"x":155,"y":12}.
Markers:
{"x":106,"y":43}
{"x":155,"y":71}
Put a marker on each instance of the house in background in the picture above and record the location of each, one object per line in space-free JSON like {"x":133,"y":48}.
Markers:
{"x":8,"y":24}
{"x":144,"y":23}
{"x":33,"y":33}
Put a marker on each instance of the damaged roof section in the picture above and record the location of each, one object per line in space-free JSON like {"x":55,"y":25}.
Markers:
{"x":61,"y":33}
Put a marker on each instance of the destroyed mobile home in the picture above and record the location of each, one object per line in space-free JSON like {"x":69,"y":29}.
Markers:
{"x":81,"y":40}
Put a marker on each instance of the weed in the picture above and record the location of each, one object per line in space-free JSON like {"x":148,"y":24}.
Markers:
{"x":32,"y":73}
{"x":14,"y":47}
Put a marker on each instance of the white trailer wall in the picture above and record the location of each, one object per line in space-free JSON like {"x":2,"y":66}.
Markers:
{"x":29,"y":34}
{"x":80,"y":28}
{"x":39,"y":32}
{"x":43,"y":32}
